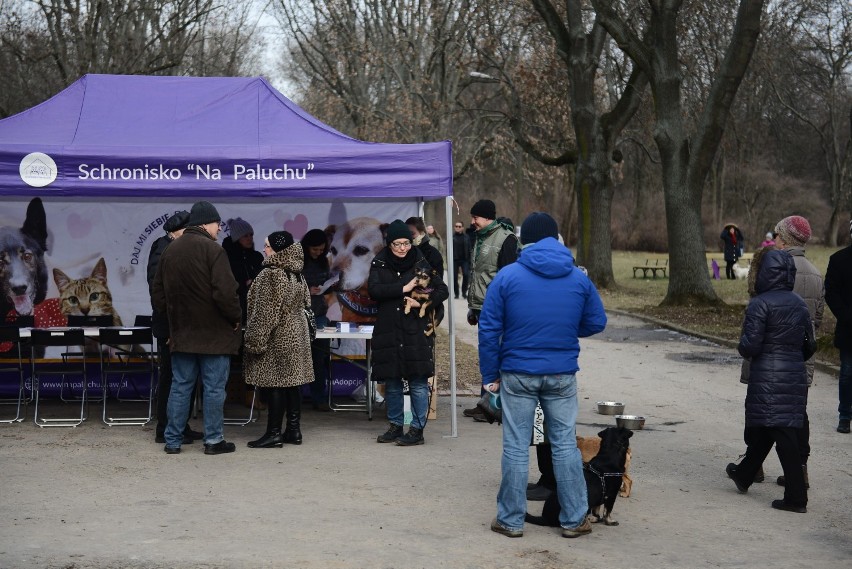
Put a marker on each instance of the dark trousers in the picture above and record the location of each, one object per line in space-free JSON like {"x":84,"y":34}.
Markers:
{"x":729,"y":269}
{"x":544,"y":457}
{"x":164,"y":385}
{"x":464,"y":267}
{"x":785,"y":439}
{"x":803,"y":439}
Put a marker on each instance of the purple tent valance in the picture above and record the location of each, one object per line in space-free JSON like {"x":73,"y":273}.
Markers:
{"x":137,"y":136}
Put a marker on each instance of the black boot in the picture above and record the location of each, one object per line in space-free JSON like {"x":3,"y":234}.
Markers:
{"x":292,"y":433}
{"x":275,"y":416}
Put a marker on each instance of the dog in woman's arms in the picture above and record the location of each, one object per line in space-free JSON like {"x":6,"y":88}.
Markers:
{"x":603,"y":479}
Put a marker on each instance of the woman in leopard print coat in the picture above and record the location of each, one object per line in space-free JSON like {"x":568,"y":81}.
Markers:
{"x":277,"y":342}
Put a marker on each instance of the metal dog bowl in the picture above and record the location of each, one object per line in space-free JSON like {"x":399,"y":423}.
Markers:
{"x":632,"y":422}
{"x":610,"y":407}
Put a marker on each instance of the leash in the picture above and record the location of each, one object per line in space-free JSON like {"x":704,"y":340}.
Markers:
{"x":602,"y":476}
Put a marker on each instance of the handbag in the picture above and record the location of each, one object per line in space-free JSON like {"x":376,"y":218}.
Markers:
{"x":309,"y":316}
{"x":312,"y":323}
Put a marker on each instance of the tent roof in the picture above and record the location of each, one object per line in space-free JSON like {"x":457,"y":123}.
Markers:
{"x":127,"y":135}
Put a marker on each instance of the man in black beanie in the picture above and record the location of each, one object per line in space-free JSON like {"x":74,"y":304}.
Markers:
{"x":495,"y":246}
{"x":174,"y":228}
{"x":195,"y":287}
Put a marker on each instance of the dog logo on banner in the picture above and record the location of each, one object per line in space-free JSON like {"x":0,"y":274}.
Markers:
{"x":38,"y":170}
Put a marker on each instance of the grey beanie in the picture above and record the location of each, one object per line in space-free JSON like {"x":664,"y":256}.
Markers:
{"x":239,"y":228}
{"x":202,"y":213}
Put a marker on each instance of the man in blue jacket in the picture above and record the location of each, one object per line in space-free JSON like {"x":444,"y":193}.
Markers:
{"x":534,"y":313}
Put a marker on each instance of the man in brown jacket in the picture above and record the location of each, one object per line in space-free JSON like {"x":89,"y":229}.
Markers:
{"x":194,"y":285}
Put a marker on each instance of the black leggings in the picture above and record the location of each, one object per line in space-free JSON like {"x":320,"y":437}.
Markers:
{"x":729,"y":269}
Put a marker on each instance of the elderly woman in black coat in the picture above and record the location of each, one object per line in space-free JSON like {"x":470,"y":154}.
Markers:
{"x":403,"y":343}
{"x":778,"y":338}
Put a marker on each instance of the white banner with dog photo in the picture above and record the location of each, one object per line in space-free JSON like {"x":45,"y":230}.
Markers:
{"x":89,"y":257}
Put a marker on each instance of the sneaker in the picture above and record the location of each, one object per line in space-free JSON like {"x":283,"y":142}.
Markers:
{"x":393,"y":433}
{"x":500,"y":528}
{"x":584,"y":528}
{"x":411,"y":438}
{"x":842,"y":426}
{"x":782,"y":505}
{"x":538,"y":493}
{"x":731,"y":470}
{"x":222,"y":447}
{"x":172,"y":450}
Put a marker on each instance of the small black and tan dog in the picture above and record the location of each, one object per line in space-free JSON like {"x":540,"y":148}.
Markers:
{"x":603,"y":480}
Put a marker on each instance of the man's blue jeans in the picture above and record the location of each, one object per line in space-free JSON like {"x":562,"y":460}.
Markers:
{"x":558,"y":396}
{"x":844,"y":409}
{"x":418,"y":389}
{"x":214,"y":376}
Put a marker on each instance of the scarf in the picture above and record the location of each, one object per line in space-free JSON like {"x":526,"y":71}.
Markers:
{"x":404,"y":264}
{"x":481,"y":234}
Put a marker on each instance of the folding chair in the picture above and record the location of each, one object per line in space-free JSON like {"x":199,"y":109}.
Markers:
{"x":91,"y":350}
{"x":10,"y":364}
{"x":126,"y":364}
{"x":68,"y":338}
{"x":236,"y":370}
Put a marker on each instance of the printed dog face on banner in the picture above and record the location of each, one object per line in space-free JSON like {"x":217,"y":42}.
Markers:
{"x":353,"y":246}
{"x":23,"y":272}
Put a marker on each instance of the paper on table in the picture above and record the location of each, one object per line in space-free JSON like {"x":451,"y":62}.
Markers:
{"x":329,"y":283}
{"x":365,"y":328}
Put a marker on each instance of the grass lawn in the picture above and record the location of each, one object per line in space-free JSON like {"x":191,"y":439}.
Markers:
{"x":644,"y":295}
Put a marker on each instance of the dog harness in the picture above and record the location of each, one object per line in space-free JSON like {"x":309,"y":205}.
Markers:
{"x":602,"y":476}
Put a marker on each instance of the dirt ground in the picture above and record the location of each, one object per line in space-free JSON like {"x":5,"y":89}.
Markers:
{"x":109,"y":497}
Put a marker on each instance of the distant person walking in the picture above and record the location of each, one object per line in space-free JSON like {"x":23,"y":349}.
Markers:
{"x":461,"y":259}
{"x":838,"y":296}
{"x":528,"y":351}
{"x":734,"y":247}
{"x":195,"y":287}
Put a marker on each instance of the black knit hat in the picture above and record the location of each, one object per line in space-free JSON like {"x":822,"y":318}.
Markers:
{"x":203,"y":212}
{"x":280,"y":240}
{"x":178,"y":221}
{"x":314,"y":238}
{"x":397,"y":230}
{"x":485,"y":209}
{"x":537,"y":226}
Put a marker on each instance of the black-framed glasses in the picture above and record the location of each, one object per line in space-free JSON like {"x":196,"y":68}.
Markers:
{"x":400,"y":245}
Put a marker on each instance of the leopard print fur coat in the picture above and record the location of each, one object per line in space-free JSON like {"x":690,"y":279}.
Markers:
{"x":277,"y":345}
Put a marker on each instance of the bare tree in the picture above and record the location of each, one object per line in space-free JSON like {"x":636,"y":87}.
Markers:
{"x":686,"y":160}
{"x":813,"y":85}
{"x":47,"y":44}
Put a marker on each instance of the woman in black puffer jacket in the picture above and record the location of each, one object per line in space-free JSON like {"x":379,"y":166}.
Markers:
{"x":403,"y":343}
{"x":778,"y":338}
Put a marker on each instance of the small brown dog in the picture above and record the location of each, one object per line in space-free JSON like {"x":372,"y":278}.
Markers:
{"x":589,"y":448}
{"x":420,"y":293}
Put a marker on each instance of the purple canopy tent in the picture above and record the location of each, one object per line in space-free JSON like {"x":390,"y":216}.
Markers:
{"x":133,"y":138}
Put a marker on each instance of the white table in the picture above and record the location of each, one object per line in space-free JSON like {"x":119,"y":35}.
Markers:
{"x":88,"y":331}
{"x":355,"y":334}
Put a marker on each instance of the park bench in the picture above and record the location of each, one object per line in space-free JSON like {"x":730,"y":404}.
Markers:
{"x":652,"y":266}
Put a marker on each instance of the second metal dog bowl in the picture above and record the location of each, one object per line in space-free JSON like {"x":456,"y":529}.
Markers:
{"x":632,"y":422}
{"x":610,"y":407}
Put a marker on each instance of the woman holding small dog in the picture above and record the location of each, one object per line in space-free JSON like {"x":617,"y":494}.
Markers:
{"x":403,"y":343}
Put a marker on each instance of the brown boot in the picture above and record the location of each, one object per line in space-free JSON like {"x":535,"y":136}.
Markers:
{"x":781,"y":481}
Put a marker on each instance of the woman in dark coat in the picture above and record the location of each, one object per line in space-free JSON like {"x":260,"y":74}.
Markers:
{"x":403,"y":344}
{"x":734,"y":247}
{"x":317,"y":272}
{"x":778,"y":338}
